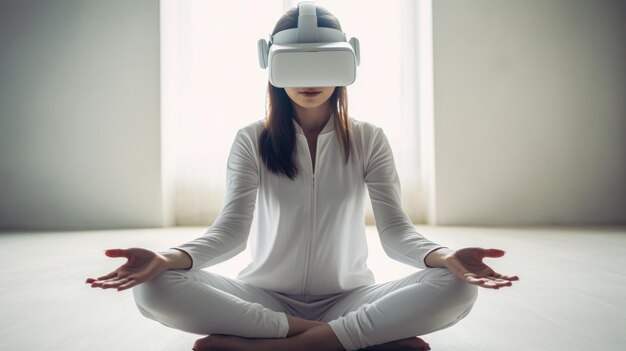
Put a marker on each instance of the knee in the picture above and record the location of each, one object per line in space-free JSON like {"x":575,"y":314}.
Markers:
{"x":464,"y":294}
{"x":458,"y":292}
{"x":155,"y":293}
{"x":455,"y":300}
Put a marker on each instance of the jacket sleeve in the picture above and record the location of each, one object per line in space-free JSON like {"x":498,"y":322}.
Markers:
{"x":229,"y":233}
{"x":397,"y":234}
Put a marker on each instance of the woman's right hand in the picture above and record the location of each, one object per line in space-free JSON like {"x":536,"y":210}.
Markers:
{"x":142,"y":265}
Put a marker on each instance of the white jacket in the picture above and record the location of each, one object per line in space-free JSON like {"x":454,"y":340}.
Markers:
{"x":310,"y":232}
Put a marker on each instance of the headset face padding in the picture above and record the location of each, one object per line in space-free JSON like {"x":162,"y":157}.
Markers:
{"x":309,"y":56}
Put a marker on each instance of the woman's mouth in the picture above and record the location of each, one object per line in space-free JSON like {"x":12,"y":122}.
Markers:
{"x":309,"y":93}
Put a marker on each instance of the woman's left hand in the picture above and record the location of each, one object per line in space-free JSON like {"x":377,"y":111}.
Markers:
{"x":467,"y":264}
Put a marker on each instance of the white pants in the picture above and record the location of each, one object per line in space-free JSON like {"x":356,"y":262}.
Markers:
{"x":201,"y":302}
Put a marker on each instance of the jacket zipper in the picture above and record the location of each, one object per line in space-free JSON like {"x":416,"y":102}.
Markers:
{"x":312,"y":214}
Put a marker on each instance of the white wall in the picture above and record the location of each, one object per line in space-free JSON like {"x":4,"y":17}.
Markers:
{"x":79,"y":114}
{"x":530,"y":112}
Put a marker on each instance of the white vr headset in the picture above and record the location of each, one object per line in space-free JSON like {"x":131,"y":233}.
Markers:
{"x":309,"y":56}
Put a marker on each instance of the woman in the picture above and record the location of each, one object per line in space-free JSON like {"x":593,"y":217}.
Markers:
{"x":308,"y":286}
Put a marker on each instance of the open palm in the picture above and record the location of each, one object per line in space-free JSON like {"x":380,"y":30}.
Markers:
{"x":142,"y":265}
{"x":467,"y":264}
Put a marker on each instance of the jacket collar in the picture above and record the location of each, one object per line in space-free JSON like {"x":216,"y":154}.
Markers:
{"x":329,"y":127}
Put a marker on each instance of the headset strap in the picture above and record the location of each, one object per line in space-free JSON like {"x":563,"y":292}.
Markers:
{"x":326,"y":35}
{"x":307,"y":23}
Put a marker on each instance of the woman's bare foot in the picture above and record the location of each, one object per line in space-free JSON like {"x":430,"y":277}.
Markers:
{"x":412,"y":343}
{"x":217,"y":342}
{"x":220,"y":342}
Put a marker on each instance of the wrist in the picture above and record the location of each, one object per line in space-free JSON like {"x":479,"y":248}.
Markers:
{"x":175,"y":259}
{"x":437,"y":258}
{"x":165,"y":256}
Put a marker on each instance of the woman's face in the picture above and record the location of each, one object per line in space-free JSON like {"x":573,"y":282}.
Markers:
{"x":310,"y":97}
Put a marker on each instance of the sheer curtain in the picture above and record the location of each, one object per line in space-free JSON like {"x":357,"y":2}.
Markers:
{"x":212,"y":86}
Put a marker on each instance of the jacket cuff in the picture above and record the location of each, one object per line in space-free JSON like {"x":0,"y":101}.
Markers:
{"x":434,"y":249}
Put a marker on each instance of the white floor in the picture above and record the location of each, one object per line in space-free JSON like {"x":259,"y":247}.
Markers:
{"x":571,"y":296}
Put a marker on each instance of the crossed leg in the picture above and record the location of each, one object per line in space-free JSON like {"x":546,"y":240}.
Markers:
{"x":387,"y":315}
{"x":418,"y":304}
{"x":384,"y":316}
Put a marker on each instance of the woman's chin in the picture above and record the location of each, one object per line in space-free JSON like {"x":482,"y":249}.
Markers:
{"x":309,"y":104}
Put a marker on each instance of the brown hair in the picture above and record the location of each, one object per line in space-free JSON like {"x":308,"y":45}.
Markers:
{"x":277,"y":143}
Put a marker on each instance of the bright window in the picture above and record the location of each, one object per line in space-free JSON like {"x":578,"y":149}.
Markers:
{"x":212,"y":86}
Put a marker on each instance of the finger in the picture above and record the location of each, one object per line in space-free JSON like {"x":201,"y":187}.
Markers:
{"x":114,"y":284}
{"x":487,"y":284}
{"x":502,"y":285}
{"x":99,"y":283}
{"x":496,"y":285}
{"x":108,"y":276}
{"x":117,"y":253}
{"x":103,"y":281}
{"x":484,"y":282}
{"x":474,"y":280}
{"x":493,"y":252}
{"x":499,"y":281}
{"x":127,"y":285}
{"x":510,"y":278}
{"x":490,"y":286}
{"x":96,"y":284}
{"x":484,"y":285}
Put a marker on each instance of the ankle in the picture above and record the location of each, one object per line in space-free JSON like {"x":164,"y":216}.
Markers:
{"x":300,"y":325}
{"x":320,"y":337}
